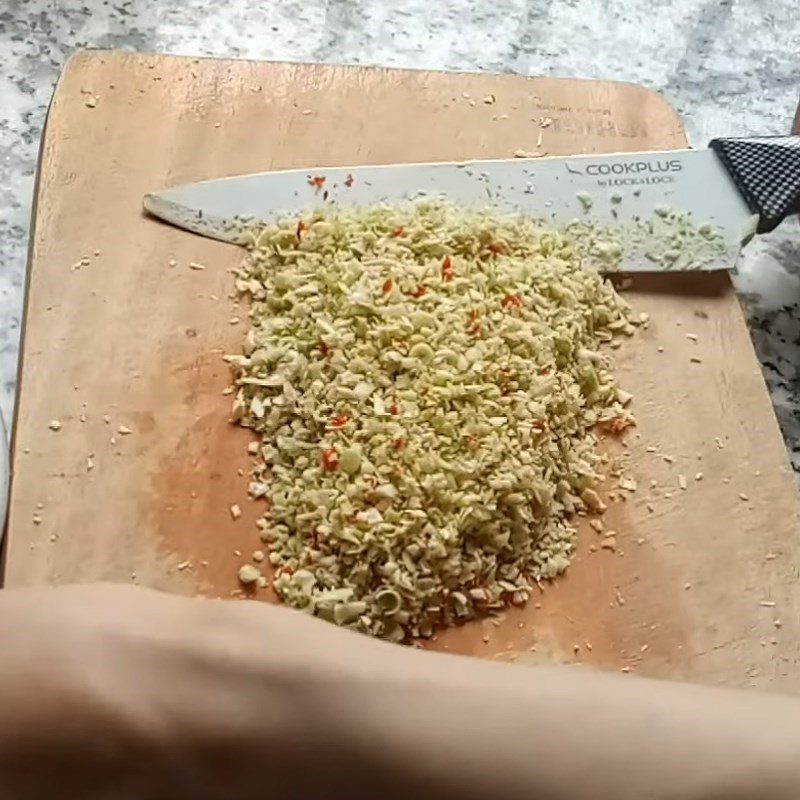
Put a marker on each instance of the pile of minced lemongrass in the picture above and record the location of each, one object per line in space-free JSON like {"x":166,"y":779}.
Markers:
{"x":425,"y":382}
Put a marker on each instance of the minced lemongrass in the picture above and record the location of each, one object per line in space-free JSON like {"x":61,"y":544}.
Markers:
{"x":425,"y":381}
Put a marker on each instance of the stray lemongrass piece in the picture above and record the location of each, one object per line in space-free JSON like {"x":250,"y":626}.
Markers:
{"x":248,"y":574}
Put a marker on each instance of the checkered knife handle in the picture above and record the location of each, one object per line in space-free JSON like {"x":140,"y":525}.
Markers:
{"x":766,"y":170}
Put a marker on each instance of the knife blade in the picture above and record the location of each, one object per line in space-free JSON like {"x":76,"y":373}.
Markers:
{"x":677,"y":209}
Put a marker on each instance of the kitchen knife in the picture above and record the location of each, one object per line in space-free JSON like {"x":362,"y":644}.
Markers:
{"x":678,"y":209}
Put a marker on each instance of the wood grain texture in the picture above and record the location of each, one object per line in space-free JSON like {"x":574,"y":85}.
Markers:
{"x":127,"y":336}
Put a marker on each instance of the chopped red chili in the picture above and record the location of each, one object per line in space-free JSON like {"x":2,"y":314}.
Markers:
{"x":447,"y":269}
{"x":324,"y":348}
{"x":496,"y":248}
{"x":388,"y":286}
{"x":399,"y":231}
{"x":317,"y":181}
{"x":330,"y":460}
{"x":511,"y":301}
{"x":393,"y":409}
{"x":399,"y":444}
{"x":339,"y":421}
{"x":419,"y":291}
{"x":618,"y":425}
{"x":301,"y":226}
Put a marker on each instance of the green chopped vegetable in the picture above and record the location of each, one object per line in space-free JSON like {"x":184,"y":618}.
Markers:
{"x":585,"y":199}
{"x":425,"y":381}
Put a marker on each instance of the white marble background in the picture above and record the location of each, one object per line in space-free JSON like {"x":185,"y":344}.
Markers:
{"x":731,"y":67}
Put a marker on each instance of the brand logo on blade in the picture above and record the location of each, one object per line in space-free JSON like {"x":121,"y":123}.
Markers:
{"x":634,"y":168}
{"x":633,"y":173}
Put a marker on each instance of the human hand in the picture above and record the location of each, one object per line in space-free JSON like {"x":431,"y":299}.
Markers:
{"x":116,"y":692}
{"x":111,"y":691}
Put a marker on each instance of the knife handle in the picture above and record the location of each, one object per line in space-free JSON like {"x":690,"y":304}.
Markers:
{"x":766,"y":171}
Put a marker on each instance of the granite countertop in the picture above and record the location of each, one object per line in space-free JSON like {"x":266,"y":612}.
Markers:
{"x":728,"y":66}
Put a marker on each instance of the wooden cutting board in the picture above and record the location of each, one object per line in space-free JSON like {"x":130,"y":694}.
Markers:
{"x":703,"y":582}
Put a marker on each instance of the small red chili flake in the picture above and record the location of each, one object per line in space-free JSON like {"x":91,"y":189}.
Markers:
{"x":474,"y":314}
{"x":539,"y":424}
{"x":511,"y":301}
{"x":506,"y":598}
{"x":339,"y":421}
{"x":419,"y":291}
{"x":348,"y":181}
{"x":496,"y":248}
{"x":447,"y":269}
{"x":388,"y":286}
{"x":618,"y":425}
{"x":330,"y":460}
{"x":393,"y":409}
{"x":323,"y":347}
{"x":399,"y":444}
{"x":301,"y":226}
{"x":317,"y":181}
{"x":544,"y":371}
{"x":472,"y":441}
{"x":475,"y":329}
{"x":399,"y":231}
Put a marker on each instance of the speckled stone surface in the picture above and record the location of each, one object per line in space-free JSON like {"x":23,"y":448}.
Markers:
{"x":730,"y":67}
